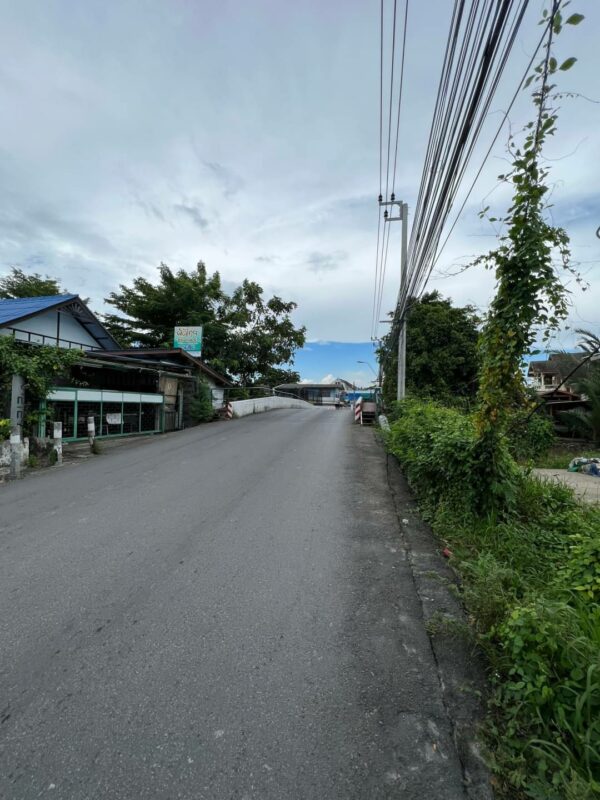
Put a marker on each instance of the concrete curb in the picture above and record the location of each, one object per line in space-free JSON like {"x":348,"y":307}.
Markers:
{"x":461,"y":666}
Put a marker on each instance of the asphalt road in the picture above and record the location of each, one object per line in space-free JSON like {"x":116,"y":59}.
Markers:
{"x":226,"y":612}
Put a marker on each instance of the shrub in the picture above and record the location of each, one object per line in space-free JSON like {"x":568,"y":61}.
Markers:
{"x":582,"y":571}
{"x":32,"y":461}
{"x":201,"y":407}
{"x":530,"y":436}
{"x":551,"y":699}
{"x":531,"y":583}
{"x":4,"y":429}
{"x":435,"y":444}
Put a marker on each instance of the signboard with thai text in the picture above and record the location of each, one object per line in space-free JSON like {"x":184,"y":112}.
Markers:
{"x":113,"y":419}
{"x":189,"y":338}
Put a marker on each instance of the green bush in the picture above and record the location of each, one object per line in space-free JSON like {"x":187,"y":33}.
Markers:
{"x":435,"y":445}
{"x":531,"y":583}
{"x":201,"y":407}
{"x":4,"y":429}
{"x":582,"y":571}
{"x":550,"y":700}
{"x":530,"y":436}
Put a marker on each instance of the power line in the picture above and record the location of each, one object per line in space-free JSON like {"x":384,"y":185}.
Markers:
{"x":382,"y":257}
{"x":375,"y":283}
{"x":479,"y":44}
{"x":489,"y":151}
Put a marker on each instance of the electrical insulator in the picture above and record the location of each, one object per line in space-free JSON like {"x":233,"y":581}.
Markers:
{"x":385,"y":214}
{"x":380,"y":198}
{"x":393,"y":197}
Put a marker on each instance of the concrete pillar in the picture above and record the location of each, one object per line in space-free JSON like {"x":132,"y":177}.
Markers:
{"x":57,"y":437}
{"x":91,"y":430}
{"x":17,"y":404}
{"x":15,"y":454}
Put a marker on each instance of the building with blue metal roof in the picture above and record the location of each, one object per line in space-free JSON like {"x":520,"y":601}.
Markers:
{"x":125,"y":391}
{"x":62,"y":320}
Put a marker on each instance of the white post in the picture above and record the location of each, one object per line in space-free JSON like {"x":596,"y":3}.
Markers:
{"x":91,"y":430}
{"x":15,"y":454}
{"x":17,"y":403}
{"x":57,"y":437}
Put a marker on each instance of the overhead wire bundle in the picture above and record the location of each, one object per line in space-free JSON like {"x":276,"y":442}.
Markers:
{"x":481,"y":37}
{"x":383,"y":234}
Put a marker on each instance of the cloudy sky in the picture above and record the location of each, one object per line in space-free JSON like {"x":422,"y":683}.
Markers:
{"x":245,"y":133}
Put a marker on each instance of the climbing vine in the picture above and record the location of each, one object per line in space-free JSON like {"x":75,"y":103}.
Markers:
{"x":529,"y":264}
{"x":37,"y":364}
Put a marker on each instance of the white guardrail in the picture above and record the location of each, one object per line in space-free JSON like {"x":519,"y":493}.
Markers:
{"x":243,"y":408}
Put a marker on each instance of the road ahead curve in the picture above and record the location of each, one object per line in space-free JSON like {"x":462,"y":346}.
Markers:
{"x":225,"y":612}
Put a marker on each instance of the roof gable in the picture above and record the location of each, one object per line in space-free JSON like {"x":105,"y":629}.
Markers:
{"x":21,"y":308}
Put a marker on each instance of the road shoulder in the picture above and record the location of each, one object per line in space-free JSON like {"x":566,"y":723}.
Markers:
{"x":460,"y":666}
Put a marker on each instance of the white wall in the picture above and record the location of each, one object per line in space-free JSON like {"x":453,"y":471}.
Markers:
{"x":45,"y":324}
{"x":242,"y":408}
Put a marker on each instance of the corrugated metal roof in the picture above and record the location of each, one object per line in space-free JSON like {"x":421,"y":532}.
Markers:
{"x":19,"y":307}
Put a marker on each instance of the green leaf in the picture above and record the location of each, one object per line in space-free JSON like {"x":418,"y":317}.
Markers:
{"x":568,"y":63}
{"x":575,"y":19}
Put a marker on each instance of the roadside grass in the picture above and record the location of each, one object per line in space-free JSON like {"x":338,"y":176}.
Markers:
{"x":530,"y":581}
{"x":561,"y":454}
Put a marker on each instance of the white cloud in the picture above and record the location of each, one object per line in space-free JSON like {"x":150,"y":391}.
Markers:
{"x":175,"y":136}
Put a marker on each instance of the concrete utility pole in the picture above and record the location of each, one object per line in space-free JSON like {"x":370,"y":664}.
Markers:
{"x":402,"y":335}
{"x":402,"y":217}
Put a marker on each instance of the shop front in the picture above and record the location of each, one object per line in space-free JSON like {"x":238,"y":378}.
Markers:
{"x":115,"y":413}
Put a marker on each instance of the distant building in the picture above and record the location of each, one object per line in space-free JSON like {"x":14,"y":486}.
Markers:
{"x":548,"y":375}
{"x":316,"y":393}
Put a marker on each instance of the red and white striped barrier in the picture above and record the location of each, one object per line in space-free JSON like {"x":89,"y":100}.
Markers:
{"x":228,"y":411}
{"x":358,"y":410}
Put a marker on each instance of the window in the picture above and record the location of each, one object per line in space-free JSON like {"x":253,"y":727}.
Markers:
{"x":60,"y":411}
{"x":150,"y":417}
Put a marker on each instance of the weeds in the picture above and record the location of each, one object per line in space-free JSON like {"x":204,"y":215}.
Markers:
{"x":530,"y":579}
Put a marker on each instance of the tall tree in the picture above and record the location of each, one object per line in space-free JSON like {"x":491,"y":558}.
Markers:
{"x":244,"y":335}
{"x":150,"y":312}
{"x":441,"y":351}
{"x":262,"y":334}
{"x":20,"y":284}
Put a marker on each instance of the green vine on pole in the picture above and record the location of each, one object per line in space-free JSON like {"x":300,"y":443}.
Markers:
{"x":529,"y":265}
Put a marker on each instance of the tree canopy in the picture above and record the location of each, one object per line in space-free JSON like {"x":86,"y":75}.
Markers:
{"x":19,"y":284}
{"x":441,"y":350}
{"x":245,"y":335}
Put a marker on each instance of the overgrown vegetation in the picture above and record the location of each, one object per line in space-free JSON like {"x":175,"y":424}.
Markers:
{"x":528,"y":552}
{"x":39,"y":366}
{"x":531,"y":583}
{"x":201,"y":407}
{"x":530,"y":291}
